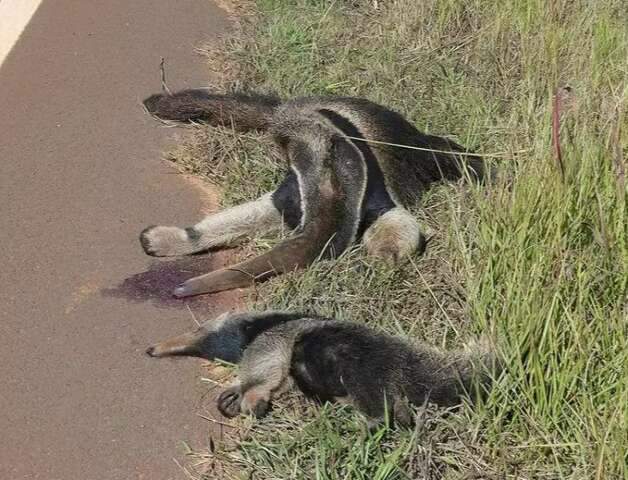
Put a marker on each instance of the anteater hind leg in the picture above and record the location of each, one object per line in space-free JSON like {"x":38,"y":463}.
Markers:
{"x":264,"y":375}
{"x":221,"y":229}
{"x":293,"y":253}
{"x":394,"y":235}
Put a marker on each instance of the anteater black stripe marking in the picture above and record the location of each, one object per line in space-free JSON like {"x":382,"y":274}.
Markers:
{"x":287,"y":199}
{"x":376,"y":201}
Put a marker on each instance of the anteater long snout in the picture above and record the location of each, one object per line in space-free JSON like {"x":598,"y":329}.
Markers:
{"x":238,"y":110}
{"x":187,"y":344}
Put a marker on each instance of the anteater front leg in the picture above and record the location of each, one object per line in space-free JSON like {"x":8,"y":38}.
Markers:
{"x":221,"y":229}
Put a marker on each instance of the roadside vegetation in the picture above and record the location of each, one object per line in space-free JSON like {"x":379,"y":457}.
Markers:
{"x":538,"y":258}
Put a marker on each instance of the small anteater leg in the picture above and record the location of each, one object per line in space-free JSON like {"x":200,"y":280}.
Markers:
{"x":403,"y":412}
{"x":229,"y":401}
{"x":256,"y":401}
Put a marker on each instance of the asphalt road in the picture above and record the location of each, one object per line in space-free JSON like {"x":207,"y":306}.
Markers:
{"x":80,"y":176}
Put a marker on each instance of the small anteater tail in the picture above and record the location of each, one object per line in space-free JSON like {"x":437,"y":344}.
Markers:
{"x":445,"y":377}
{"x":477,"y":365}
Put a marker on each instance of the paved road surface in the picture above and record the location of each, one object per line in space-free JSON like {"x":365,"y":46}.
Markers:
{"x":80,"y":176}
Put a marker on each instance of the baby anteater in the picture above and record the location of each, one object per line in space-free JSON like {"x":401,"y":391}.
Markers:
{"x":331,"y":360}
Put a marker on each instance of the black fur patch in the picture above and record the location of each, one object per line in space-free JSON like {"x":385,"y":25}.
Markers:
{"x":377,"y":200}
{"x":348,"y":360}
{"x":315,"y":368}
{"x":287,"y":199}
{"x":375,"y":370}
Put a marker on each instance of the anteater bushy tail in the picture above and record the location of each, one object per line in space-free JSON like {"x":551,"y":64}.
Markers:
{"x":448,"y":160}
{"x":241,"y":111}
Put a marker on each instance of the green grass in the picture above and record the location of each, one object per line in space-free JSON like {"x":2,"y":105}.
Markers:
{"x":537,"y":258}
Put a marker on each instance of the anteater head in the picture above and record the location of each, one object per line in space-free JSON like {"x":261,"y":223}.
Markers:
{"x":225,"y":337}
{"x":216,"y":339}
